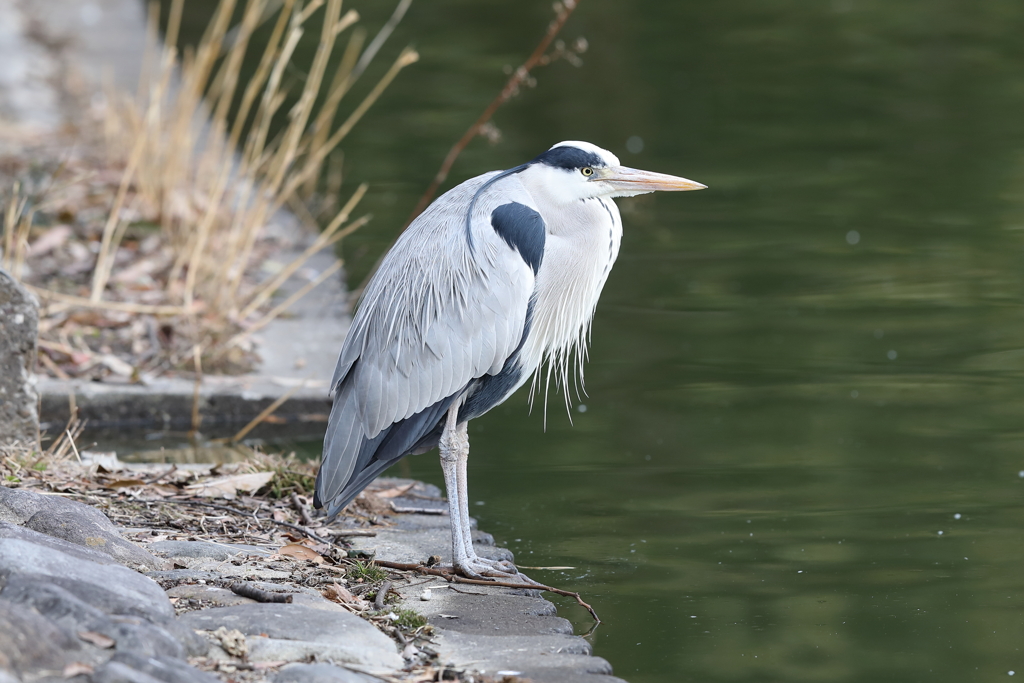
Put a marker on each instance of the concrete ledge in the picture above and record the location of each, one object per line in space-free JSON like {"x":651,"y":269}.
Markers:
{"x":167,"y":403}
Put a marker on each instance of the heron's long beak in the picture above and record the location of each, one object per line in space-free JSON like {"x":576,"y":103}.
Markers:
{"x":632,"y":180}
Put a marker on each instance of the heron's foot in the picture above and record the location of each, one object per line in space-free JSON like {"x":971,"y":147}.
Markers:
{"x":482,"y":569}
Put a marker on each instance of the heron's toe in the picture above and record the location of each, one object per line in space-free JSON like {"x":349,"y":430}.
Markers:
{"x":494,"y":570}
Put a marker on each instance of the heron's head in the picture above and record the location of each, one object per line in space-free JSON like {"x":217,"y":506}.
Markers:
{"x":576,"y":170}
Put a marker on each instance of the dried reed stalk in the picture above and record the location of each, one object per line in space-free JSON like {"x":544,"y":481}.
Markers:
{"x":215,"y":182}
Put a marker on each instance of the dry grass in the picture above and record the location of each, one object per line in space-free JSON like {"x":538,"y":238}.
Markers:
{"x":142,"y":242}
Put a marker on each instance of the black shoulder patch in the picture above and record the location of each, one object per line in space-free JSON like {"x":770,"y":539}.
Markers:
{"x":569,"y":157}
{"x":522,"y":228}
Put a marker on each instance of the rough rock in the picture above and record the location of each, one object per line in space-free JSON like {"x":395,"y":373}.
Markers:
{"x":72,"y":521}
{"x":128,"y":667}
{"x":319,"y":673}
{"x":116,"y":672}
{"x":31,"y":644}
{"x":19,"y":322}
{"x":289,"y":632}
{"x":10,"y":530}
{"x":115,"y":589}
{"x":130,"y":634}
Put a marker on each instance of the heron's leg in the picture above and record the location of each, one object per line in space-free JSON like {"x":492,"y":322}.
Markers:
{"x":453,"y":441}
{"x":454,"y":447}
{"x":462,"y":480}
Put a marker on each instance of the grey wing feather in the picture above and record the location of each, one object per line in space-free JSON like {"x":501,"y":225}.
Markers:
{"x":437,"y":315}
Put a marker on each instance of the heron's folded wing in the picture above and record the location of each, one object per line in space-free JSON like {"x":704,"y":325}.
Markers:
{"x":439,"y":313}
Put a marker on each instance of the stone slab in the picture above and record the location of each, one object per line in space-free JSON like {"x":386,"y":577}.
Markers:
{"x":489,"y":611}
{"x":290,"y":632}
{"x":205,"y":549}
{"x":319,"y":673}
{"x":414,"y":538}
{"x":214,"y":596}
{"x":493,"y":629}
{"x":540,"y":658}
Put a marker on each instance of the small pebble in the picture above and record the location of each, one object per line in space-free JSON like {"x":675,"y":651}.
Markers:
{"x":426,"y":594}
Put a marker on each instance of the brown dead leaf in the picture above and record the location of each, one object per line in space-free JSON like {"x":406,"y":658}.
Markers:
{"x":97,"y":639}
{"x":76,"y":669}
{"x":394,"y":492}
{"x":338,"y":593}
{"x":162,"y":490}
{"x":49,"y":240}
{"x":226,"y":487}
{"x":125,"y":483}
{"x":300,"y":552}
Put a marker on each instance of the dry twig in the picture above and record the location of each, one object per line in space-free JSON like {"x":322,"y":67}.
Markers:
{"x":515,"y":81}
{"x":247,"y":590}
{"x":382,"y":594}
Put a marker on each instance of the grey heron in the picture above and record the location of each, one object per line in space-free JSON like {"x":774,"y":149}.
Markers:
{"x":497,"y":277}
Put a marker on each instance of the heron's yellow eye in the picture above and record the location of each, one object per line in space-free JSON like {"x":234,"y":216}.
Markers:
{"x":587,"y":171}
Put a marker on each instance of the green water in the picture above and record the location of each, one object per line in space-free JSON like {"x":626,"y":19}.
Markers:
{"x":802,"y":454}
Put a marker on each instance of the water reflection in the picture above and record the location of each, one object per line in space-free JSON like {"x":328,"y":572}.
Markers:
{"x":799,"y":377}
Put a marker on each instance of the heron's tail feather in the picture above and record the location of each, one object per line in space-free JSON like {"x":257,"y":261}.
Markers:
{"x":351,"y":461}
{"x":341,"y":449}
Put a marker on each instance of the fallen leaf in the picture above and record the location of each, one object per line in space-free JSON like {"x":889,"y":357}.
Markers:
{"x":338,"y":593}
{"x":300,"y":552}
{"x":116,"y":365}
{"x":124,"y":483}
{"x":225,"y":487}
{"x":48,"y":241}
{"x":162,"y":490}
{"x":76,"y":669}
{"x":97,"y":639}
{"x":394,"y":492}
